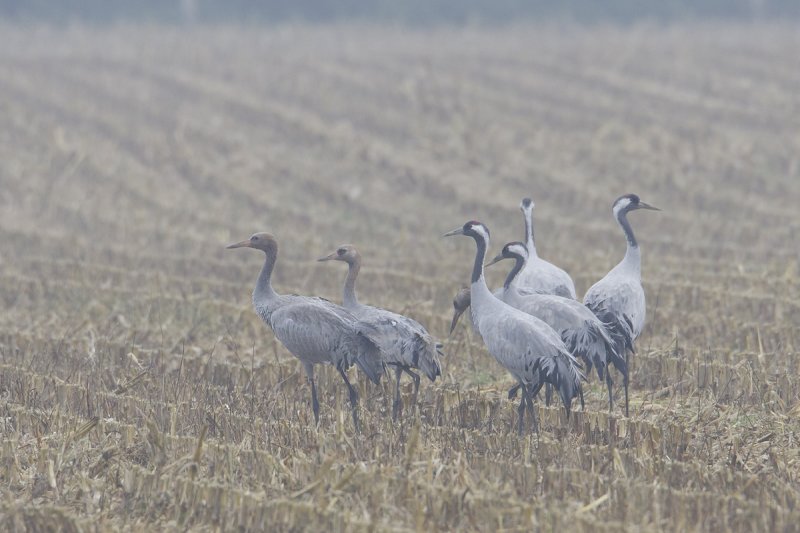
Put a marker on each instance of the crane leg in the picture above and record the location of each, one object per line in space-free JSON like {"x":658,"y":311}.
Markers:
{"x":416,"y":379}
{"x":531,"y":395}
{"x":625,"y":384}
{"x":609,"y":383}
{"x":625,"y":378}
{"x":314,"y":402}
{"x":512,"y":392}
{"x":353,"y":399}
{"x":521,"y":411}
{"x":529,"y":402}
{"x":397,"y":401}
{"x":548,"y":394}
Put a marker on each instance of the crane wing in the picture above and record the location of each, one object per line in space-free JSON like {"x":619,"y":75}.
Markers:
{"x":402,"y":340}
{"x":318,"y":331}
{"x":619,"y":303}
{"x":526,"y":345}
{"x":582,"y":332}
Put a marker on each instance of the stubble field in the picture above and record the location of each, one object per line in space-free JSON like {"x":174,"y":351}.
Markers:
{"x":139,"y":389}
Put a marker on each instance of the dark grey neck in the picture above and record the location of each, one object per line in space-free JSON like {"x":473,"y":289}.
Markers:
{"x":622,"y":218}
{"x":480,"y":256}
{"x":519,"y":262}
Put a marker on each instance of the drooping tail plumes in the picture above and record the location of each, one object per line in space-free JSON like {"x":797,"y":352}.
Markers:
{"x":619,"y":339}
{"x":426,"y":357}
{"x":563,"y":372}
{"x":368,"y":355}
{"x":620,"y":330}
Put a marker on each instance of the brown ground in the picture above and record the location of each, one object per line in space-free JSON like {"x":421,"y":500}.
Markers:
{"x":139,"y":389}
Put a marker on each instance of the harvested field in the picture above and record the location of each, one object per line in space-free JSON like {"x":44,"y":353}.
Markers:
{"x":138,"y":389}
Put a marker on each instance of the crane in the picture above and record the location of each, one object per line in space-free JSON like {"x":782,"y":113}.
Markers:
{"x":313,"y":329}
{"x":618,"y":299}
{"x":404,"y":343}
{"x":527,"y":347}
{"x":540,"y":275}
{"x":461,"y":303}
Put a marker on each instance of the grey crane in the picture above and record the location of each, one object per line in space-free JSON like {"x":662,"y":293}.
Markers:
{"x":538,"y":274}
{"x":582,"y":332}
{"x":461,"y":303}
{"x":618,"y":299}
{"x":527,"y":347}
{"x":313,"y":329}
{"x":404,"y":343}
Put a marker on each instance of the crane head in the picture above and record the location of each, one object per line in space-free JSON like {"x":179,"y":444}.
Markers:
{"x":260,"y":241}
{"x":630,"y":202}
{"x":473,"y":229}
{"x":460,"y":304}
{"x":512,"y":250}
{"x":345,"y":252}
{"x":526,"y":205}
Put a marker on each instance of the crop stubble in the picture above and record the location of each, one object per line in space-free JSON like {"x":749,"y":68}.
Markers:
{"x":139,"y":388}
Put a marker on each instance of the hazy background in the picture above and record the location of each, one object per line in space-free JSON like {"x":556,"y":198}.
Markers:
{"x":422,"y":12}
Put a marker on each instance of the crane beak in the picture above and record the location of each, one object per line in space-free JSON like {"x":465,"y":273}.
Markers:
{"x":328,"y":257}
{"x":643,"y":205}
{"x":456,"y":315}
{"x":457,"y":231}
{"x":497,"y":259}
{"x":243,"y":244}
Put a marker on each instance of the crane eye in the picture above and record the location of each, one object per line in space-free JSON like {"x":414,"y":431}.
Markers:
{"x":341,"y":251}
{"x":254,"y":238}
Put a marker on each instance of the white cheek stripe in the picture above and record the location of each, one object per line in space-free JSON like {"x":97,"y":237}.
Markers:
{"x":519,"y":250}
{"x":621,"y":205}
{"x":481,"y":230}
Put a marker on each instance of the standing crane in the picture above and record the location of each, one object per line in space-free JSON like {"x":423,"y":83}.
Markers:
{"x":582,"y":332}
{"x":618,"y":299}
{"x":540,"y":275}
{"x":313,"y":329}
{"x":527,"y":347}
{"x":404,"y":343}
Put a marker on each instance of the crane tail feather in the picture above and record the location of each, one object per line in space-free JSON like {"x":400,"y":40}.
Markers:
{"x":369,"y":358}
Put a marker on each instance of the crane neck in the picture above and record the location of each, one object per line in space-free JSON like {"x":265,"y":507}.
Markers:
{"x":349,"y":298}
{"x":264,"y":290}
{"x":529,"y":242}
{"x":622,"y":220}
{"x":519,"y":264}
{"x":479,"y":288}
{"x":633,"y":256}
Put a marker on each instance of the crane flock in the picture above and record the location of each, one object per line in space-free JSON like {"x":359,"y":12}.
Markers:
{"x":533,"y":326}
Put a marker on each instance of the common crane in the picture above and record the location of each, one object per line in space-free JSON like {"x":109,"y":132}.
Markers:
{"x":404,"y":343}
{"x":618,"y":299}
{"x":461,"y":303}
